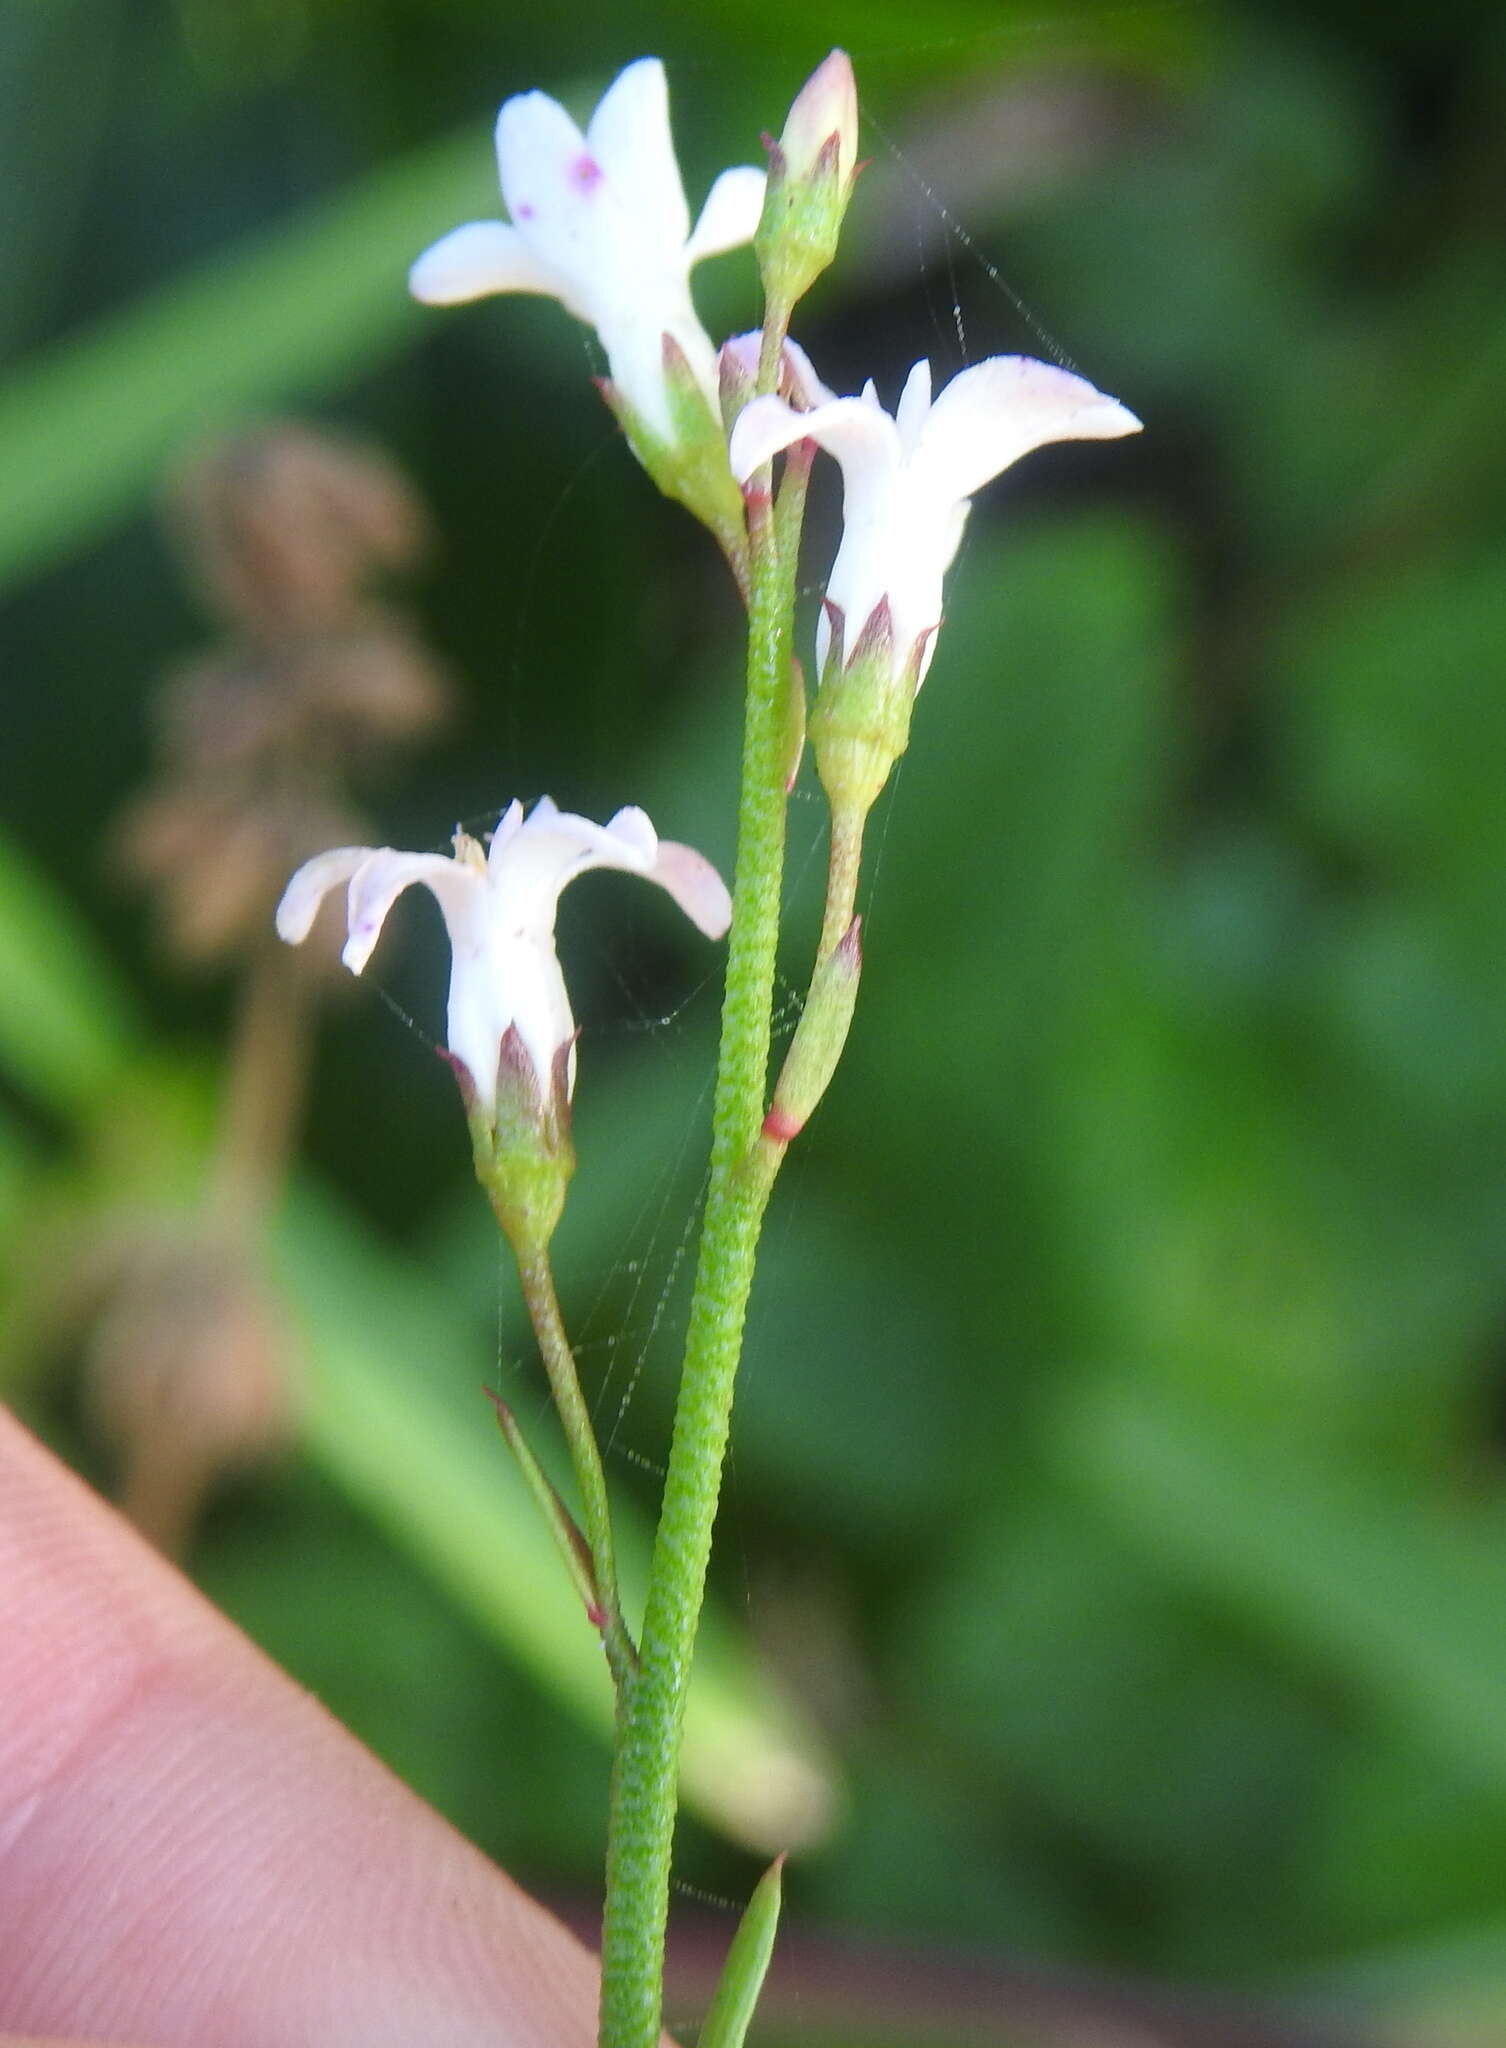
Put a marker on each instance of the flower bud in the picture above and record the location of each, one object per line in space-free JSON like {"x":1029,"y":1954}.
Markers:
{"x":819,"y":1038}
{"x":812,"y":170}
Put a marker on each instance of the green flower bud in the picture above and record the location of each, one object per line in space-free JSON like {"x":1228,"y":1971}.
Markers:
{"x":812,"y":170}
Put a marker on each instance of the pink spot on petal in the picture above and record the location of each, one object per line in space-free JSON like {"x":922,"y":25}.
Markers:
{"x":523,"y":211}
{"x":586,"y":173}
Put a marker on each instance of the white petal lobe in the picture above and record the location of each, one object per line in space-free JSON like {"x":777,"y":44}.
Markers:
{"x":730,"y":215}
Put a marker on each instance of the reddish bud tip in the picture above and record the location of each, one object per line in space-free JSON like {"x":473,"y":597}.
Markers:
{"x":781,"y":1126}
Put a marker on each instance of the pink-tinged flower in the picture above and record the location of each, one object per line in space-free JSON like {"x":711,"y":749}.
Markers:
{"x":599,"y":222}
{"x":738,"y":367}
{"x":824,"y":116}
{"x":499,"y":909}
{"x":908,"y":480}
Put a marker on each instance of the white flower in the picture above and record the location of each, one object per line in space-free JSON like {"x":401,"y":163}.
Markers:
{"x":599,"y":222}
{"x":499,"y":908}
{"x":907,"y":480}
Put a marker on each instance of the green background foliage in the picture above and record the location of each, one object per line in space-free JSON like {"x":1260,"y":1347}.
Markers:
{"x":1118,"y":1494}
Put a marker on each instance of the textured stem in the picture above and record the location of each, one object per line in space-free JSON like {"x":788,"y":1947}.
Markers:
{"x":564,"y":1383}
{"x":645,"y":1776}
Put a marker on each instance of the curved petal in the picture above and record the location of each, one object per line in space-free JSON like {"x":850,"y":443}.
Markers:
{"x":309,"y":887}
{"x":695,"y":885}
{"x":459,"y":889}
{"x":730,"y":216}
{"x":801,"y":371}
{"x":483,"y":256}
{"x":763,"y":427}
{"x":549,"y":849}
{"x":997,"y":411}
{"x":629,"y":137}
{"x":862,"y":438}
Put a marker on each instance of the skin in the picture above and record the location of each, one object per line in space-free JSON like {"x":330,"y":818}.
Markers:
{"x":193,"y":1852}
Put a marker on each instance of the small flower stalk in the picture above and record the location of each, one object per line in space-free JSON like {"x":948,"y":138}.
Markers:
{"x":812,"y":170}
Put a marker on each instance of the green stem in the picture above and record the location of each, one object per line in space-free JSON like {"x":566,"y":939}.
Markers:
{"x":564,"y":1383}
{"x":646,"y":1770}
{"x":844,"y":865}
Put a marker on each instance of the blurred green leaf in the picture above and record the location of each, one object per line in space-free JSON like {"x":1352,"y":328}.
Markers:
{"x":85,"y":429}
{"x":65,"y":1025}
{"x":1397,"y":1598}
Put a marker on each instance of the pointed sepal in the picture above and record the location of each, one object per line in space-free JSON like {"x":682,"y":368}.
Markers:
{"x":747,"y":1964}
{"x":819,"y":1038}
{"x":568,"y":1539}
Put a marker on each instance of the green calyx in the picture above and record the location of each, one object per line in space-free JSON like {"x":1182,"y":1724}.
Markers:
{"x":523,"y":1150}
{"x":860,"y":722}
{"x":802,"y":221}
{"x":690,"y":465}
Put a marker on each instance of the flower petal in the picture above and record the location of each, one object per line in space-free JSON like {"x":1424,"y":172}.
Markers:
{"x":309,"y":887}
{"x":629,"y":138}
{"x":536,"y":142}
{"x":549,"y":849}
{"x":997,"y":411}
{"x":802,"y":373}
{"x":483,"y":256}
{"x":562,"y":203}
{"x":730,"y":216}
{"x":763,"y":427}
{"x":914,"y":405}
{"x":509,"y":822}
{"x":695,"y":885}
{"x":862,"y":438}
{"x":459,"y":889}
